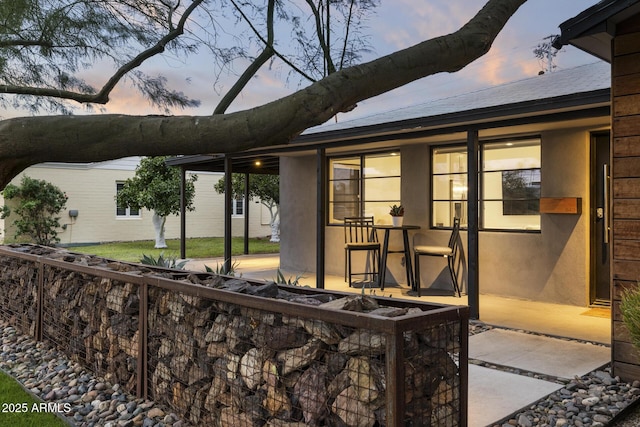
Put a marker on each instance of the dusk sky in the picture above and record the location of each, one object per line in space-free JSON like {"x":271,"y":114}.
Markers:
{"x":396,"y":24}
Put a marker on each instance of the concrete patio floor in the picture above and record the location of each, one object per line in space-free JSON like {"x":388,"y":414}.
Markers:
{"x":551,"y":319}
{"x":493,"y":393}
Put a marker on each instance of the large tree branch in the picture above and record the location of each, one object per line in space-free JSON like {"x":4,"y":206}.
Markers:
{"x":27,"y":141}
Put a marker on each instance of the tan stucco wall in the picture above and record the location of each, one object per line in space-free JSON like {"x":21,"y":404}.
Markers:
{"x":552,"y":265}
{"x":298,"y":190}
{"x":92,"y":191}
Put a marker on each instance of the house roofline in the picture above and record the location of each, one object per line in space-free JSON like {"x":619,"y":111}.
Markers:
{"x":479,"y":118}
{"x":593,"y":29}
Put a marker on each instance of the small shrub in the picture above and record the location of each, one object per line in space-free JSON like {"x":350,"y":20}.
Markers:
{"x":38,"y":203}
{"x":630,"y":308}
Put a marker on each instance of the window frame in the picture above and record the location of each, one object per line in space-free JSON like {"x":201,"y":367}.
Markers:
{"x":361,"y":179}
{"x":127,"y":215}
{"x":481,"y":181}
{"x":235,"y":202}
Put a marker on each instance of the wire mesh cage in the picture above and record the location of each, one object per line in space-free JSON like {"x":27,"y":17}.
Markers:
{"x":96,"y":320}
{"x":19,"y":293}
{"x":224,"y":351}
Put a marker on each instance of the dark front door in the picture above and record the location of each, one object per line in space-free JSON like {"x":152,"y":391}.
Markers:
{"x":601,"y":220}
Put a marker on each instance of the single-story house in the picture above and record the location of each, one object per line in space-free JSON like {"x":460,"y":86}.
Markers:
{"x":541,"y":143}
{"x":92,"y":215}
{"x":535,"y":152}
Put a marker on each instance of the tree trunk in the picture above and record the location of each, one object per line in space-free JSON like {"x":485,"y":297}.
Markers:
{"x":30,"y":140}
{"x":158,"y":225}
{"x":275,"y":231}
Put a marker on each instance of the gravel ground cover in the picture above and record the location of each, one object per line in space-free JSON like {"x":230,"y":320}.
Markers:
{"x":596,"y":399}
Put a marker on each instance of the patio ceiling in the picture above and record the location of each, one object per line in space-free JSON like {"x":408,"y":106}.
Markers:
{"x":254,"y":164}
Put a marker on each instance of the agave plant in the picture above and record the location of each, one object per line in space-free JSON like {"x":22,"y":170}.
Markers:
{"x":281,"y":280}
{"x":221,"y":270}
{"x":162,"y":261}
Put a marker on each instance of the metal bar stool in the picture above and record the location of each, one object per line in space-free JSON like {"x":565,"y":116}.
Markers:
{"x":359,"y":235}
{"x":449,"y":252}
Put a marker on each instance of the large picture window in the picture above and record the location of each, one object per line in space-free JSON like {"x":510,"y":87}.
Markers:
{"x":363,"y":185}
{"x":511,"y":185}
{"x":509,"y":182}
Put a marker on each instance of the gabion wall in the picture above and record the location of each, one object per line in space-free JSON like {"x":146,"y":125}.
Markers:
{"x":222,"y":351}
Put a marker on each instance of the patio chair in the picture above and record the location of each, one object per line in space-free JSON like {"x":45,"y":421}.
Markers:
{"x":449,"y":252}
{"x":360,"y":236}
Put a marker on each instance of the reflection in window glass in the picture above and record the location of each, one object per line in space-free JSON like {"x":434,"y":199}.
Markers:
{"x":511,"y":185}
{"x":125,"y":211}
{"x":363,"y":185}
{"x":509,"y":179}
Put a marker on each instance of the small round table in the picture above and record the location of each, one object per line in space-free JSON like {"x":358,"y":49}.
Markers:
{"x":406,"y":251}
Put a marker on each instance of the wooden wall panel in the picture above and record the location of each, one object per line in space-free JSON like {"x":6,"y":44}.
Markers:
{"x":626,"y":229}
{"x":626,"y":125}
{"x":619,"y":286}
{"x":627,"y":249}
{"x":621,"y":332}
{"x":626,"y":85}
{"x":627,"y":105}
{"x":626,"y":370}
{"x":626,"y":167}
{"x":626,"y":146}
{"x":626,"y":209}
{"x":626,"y":352}
{"x":626,"y":188}
{"x":628,"y":43}
{"x":628,"y":64}
{"x":625,"y":270}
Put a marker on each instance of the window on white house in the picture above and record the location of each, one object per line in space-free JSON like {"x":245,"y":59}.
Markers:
{"x":363,"y":185}
{"x":237,"y":207}
{"x":125,"y":211}
{"x":509,"y":181}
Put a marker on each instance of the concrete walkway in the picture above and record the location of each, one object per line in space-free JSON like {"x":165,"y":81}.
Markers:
{"x":493,"y":393}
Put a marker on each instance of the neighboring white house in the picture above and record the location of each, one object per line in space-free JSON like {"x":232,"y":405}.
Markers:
{"x":91,"y":189}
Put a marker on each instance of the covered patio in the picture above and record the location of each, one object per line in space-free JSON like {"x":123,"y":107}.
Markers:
{"x":550,"y":319}
{"x":558,"y":115}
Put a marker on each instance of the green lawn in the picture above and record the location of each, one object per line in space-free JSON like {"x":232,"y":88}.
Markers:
{"x":196,"y":248}
{"x":19,"y":409}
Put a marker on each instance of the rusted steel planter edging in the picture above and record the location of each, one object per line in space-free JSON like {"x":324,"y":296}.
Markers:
{"x":430,"y":314}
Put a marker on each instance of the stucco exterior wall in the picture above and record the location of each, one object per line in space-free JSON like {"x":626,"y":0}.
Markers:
{"x":298,"y":190}
{"x":91,"y":191}
{"x":550,"y":265}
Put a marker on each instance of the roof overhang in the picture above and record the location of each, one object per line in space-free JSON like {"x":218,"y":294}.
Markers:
{"x":576,"y":106}
{"x":594,"y":28}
